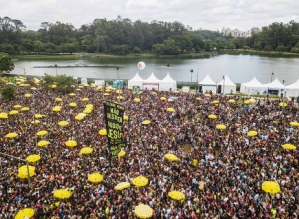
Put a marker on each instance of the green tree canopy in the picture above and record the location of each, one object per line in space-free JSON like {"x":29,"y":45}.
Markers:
{"x":6,"y":64}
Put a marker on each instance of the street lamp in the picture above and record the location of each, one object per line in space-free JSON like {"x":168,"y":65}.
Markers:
{"x":191,"y":71}
{"x":272,"y":76}
{"x":223,"y":77}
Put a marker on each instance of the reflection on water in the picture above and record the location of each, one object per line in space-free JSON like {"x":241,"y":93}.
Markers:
{"x":240,"y":68}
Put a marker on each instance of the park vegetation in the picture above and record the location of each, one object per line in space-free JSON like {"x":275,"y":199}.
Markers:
{"x":123,"y":36}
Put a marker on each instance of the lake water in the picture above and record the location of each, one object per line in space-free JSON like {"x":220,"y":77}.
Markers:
{"x":240,"y":68}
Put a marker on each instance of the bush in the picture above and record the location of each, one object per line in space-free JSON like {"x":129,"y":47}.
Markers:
{"x":8,"y":92}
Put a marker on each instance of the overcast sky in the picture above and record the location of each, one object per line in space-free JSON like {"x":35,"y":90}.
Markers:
{"x":204,"y":14}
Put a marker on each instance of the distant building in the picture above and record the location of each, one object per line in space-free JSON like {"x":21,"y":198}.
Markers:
{"x":237,"y":33}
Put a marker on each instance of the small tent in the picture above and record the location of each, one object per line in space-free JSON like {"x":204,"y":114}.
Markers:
{"x":253,"y":86}
{"x":227,"y":86}
{"x":275,"y":87}
{"x":167,"y":84}
{"x":292,"y":90}
{"x":207,"y":84}
{"x":151,"y":83}
{"x":135,"y":81}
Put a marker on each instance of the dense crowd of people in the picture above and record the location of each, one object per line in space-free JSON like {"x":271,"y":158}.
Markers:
{"x":224,"y":183}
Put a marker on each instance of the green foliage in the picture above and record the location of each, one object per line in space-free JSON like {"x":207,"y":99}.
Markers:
{"x":8,"y":92}
{"x":64,"y":83}
{"x":6,"y":64}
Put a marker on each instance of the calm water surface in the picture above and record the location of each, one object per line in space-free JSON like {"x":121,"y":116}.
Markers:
{"x":240,"y":68}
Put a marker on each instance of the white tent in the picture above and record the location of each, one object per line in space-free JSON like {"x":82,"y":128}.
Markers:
{"x":227,"y":86}
{"x":207,"y":84}
{"x":151,"y":83}
{"x":275,"y":85}
{"x":253,"y":86}
{"x":167,"y":83}
{"x":135,"y":81}
{"x":292,"y":90}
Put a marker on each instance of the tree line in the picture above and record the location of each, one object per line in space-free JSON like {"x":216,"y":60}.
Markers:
{"x":122,"y":36}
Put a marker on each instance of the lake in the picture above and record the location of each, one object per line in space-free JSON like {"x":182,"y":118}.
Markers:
{"x":240,"y":68}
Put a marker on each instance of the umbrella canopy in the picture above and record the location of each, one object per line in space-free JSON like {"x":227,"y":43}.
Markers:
{"x":197,"y":98}
{"x":72,"y":104}
{"x":35,"y":122}
{"x":85,"y":99}
{"x":23,"y":171}
{"x":11,"y":135}
{"x":33,"y":158}
{"x":87,"y":111}
{"x":103,"y":132}
{"x":176,"y":195}
{"x":25,"y":213}
{"x":231,"y":101}
{"x":71,"y":143}
{"x":86,"y":150}
{"x":122,"y":185}
{"x":106,"y":94}
{"x":28,"y":95}
{"x":137,"y":100}
{"x":121,"y":153}
{"x":79,"y":117}
{"x":3,"y":116}
{"x":17,"y":106}
{"x":162,"y":98}
{"x":140,"y":181}
{"x":95,"y":177}
{"x":247,"y":102}
{"x":57,"y":99}
{"x":207,"y":95}
{"x":271,"y":187}
{"x":62,"y":194}
{"x":215,"y":101}
{"x":43,"y":143}
{"x":170,"y":110}
{"x":38,"y":116}
{"x":53,"y":86}
{"x":63,"y":123}
{"x":146,"y":122}
{"x":294,"y":123}
{"x":13,"y":112}
{"x":289,"y":147}
{"x":211,"y":116}
{"x":252,"y":133}
{"x":25,"y":109}
{"x":126,"y":118}
{"x":56,"y":109}
{"x":220,"y":127}
{"x":171,"y":157}
{"x":118,"y":91}
{"x":42,"y":133}
{"x":72,"y":94}
{"x":143,"y":211}
{"x":283,"y":104}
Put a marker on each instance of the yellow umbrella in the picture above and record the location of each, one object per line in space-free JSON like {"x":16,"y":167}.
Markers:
{"x":17,"y":106}
{"x":220,"y":127}
{"x":122,"y":185}
{"x":176,"y":195}
{"x":25,"y":109}
{"x":56,"y":109}
{"x":3,"y":116}
{"x":62,"y":194}
{"x":162,"y":98}
{"x":38,"y":116}
{"x":33,"y":158}
{"x":146,"y":122}
{"x":137,"y":100}
{"x":140,"y":181}
{"x":95,"y":177}
{"x":252,"y":133}
{"x":289,"y":147}
{"x":86,"y":85}
{"x":211,"y":116}
{"x":271,"y":187}
{"x":79,"y":117}
{"x":57,"y":99}
{"x":28,"y":95}
{"x":126,"y":118}
{"x":72,"y":94}
{"x":13,"y":112}
{"x":106,"y":94}
{"x":215,"y":101}
{"x":35,"y":122}
{"x":247,"y":102}
{"x":121,"y":153}
{"x":25,"y":213}
{"x":85,"y":99}
{"x":118,"y":91}
{"x":71,"y":143}
{"x":231,"y":101}
{"x":63,"y":123}
{"x":197,"y":98}
{"x":86,"y":150}
{"x":283,"y":104}
{"x":11,"y":135}
{"x":72,"y":104}
{"x":294,"y":123}
{"x":103,"y":132}
{"x":170,"y":110}
{"x":154,"y":93}
{"x":42,"y":133}
{"x":43,"y":143}
{"x":80,"y":86}
{"x":24,"y":170}
{"x":207,"y":95}
{"x":171,"y":157}
{"x":53,"y":86}
{"x":143,"y":211}
{"x":252,"y":101}
{"x":87,"y":111}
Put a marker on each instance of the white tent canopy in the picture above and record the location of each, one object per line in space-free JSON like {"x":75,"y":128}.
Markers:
{"x":292,"y":90}
{"x":275,"y":85}
{"x":135,"y":81}
{"x":227,"y":85}
{"x":167,"y":83}
{"x":208,"y":84}
{"x":253,"y":86}
{"x":151,"y":82}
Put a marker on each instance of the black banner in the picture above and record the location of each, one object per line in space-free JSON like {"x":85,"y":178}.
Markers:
{"x":114,"y":115}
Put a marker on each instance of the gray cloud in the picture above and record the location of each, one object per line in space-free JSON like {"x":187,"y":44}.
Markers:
{"x":205,"y":14}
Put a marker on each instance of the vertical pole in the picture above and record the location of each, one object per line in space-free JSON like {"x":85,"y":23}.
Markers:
{"x":28,"y":172}
{"x":56,"y":69}
{"x":223,"y":77}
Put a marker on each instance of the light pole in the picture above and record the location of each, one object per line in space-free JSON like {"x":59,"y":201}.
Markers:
{"x":272,"y":76}
{"x":223,"y":77}
{"x":191,"y":71}
{"x":55,"y":69}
